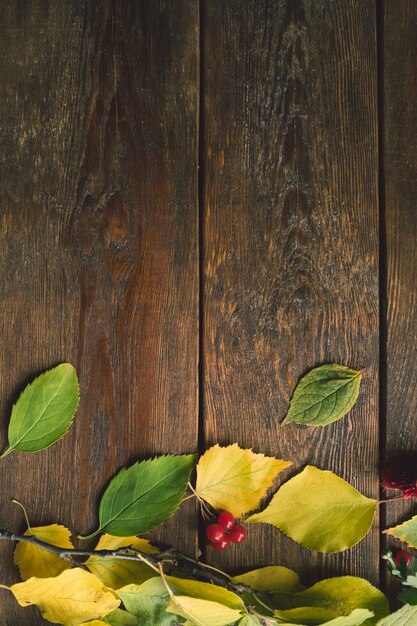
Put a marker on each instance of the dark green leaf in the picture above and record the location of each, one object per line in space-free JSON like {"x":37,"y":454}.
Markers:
{"x":324,"y":395}
{"x":44,"y":411}
{"x":144,"y":495}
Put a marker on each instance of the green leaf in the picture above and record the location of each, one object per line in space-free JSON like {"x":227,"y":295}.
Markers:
{"x":148,"y":602}
{"x":407,"y":532}
{"x":144,"y":495}
{"x":406,"y":616}
{"x":324,"y":395}
{"x":44,"y":411}
{"x":319,"y":510}
{"x":120,"y":618}
{"x":408,"y":596}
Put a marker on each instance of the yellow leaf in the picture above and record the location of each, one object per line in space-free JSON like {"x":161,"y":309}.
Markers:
{"x":203,"y":612}
{"x":234,"y":479}
{"x":72,"y":597}
{"x":34,"y":561}
{"x":116,"y":573}
{"x":97,"y":622}
{"x":319,"y":510}
{"x":206,"y":591}
{"x":274,"y":579}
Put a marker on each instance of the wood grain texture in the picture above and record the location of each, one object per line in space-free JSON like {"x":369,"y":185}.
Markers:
{"x":99,"y":245}
{"x":291,"y":242}
{"x":400,"y":190}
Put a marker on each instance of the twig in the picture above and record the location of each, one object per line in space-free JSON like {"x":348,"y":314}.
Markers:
{"x":172,"y":561}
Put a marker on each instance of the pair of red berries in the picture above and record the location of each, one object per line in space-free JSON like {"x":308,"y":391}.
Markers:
{"x":225,"y":530}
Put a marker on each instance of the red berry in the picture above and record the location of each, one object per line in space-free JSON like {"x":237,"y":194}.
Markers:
{"x":226,"y":520}
{"x":402,"y":554}
{"x":221,"y":545}
{"x":215,"y":533}
{"x":238,"y":534}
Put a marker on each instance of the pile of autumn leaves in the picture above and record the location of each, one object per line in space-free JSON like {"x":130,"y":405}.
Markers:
{"x":316,"y":508}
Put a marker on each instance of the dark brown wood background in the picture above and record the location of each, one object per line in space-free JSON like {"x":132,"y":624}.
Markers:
{"x":200,"y":201}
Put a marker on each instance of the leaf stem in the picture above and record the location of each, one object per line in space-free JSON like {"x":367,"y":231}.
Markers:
{"x":391,"y":500}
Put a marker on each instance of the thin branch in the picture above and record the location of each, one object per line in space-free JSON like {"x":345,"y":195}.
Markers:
{"x":172,"y":561}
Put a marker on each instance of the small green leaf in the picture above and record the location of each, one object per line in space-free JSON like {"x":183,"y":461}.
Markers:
{"x":319,"y":510}
{"x":406,"y":616}
{"x":144,"y":495}
{"x":120,"y":618}
{"x":407,"y":532}
{"x":44,"y":411}
{"x":324,"y":395}
{"x":408,"y":596}
{"x":148,"y":602}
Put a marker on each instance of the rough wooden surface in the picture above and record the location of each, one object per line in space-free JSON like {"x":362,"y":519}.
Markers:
{"x":400,"y":191}
{"x":291,"y":242}
{"x":99,"y":245}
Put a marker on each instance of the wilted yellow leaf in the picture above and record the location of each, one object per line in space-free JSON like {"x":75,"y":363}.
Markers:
{"x":72,"y":597}
{"x":235,"y":479}
{"x":203,"y":612}
{"x":34,"y":561}
{"x":116,"y":573}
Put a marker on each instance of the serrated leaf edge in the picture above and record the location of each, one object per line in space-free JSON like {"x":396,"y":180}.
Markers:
{"x":390,"y":531}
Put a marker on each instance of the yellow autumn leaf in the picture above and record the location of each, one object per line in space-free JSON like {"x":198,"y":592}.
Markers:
{"x":72,"y":597}
{"x":35,"y":561}
{"x":206,"y":591}
{"x":203,"y":612}
{"x":116,"y":573}
{"x":273,"y":579}
{"x":236,"y":479}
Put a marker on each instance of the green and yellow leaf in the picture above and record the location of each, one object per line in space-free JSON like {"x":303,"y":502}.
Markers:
{"x":72,"y":597}
{"x":45,"y":410}
{"x":35,"y":561}
{"x":236,"y":479}
{"x":319,"y":510}
{"x":144,"y":495}
{"x":203,"y":612}
{"x":148,"y":602}
{"x":407,"y":532}
{"x":324,"y":395}
{"x":116,"y":573}
{"x":336,"y":597}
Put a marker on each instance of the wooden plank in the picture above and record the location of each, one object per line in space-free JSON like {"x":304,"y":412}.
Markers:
{"x":400,"y":191}
{"x":99,"y":244}
{"x":291,"y":242}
